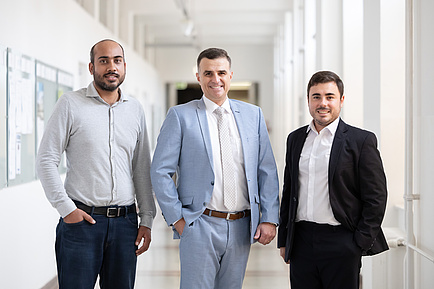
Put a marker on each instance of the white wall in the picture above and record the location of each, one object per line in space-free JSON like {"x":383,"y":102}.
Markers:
{"x":424,"y":140}
{"x":58,"y":33}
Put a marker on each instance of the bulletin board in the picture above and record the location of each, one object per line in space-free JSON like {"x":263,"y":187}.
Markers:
{"x":29,"y":90}
{"x":20,"y":118}
{"x":3,"y":151}
{"x":46,"y":97}
{"x":51,"y":83}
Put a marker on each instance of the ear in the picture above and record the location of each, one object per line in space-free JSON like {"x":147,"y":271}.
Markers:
{"x":91,"y":68}
{"x":342,"y":100}
{"x":197,"y":77}
{"x":232,"y":75}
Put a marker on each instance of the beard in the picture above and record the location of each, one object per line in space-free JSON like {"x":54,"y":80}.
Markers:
{"x":108,"y":86}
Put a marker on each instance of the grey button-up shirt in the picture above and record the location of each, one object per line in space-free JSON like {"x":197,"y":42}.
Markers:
{"x":107,"y":151}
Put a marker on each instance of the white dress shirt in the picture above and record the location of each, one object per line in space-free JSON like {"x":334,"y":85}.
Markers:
{"x":314,"y":202}
{"x":216,"y":202}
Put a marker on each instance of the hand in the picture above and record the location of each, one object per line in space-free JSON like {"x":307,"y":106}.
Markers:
{"x":179,"y":226}
{"x":145,"y":234}
{"x":265,"y":233}
{"x":77,"y":216}
{"x":282,"y":254}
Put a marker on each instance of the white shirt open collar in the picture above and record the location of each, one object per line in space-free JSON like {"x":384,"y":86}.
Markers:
{"x":211,"y":105}
{"x":331,"y":127}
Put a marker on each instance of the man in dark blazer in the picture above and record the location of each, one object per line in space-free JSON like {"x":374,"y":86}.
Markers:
{"x":334,"y":194}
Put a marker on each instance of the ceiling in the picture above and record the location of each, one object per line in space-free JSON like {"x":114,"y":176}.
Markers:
{"x":199,"y":23}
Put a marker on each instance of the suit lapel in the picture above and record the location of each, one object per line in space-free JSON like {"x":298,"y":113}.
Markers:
{"x":238,"y":115}
{"x":296,"y":154}
{"x":238,"y":118}
{"x":203,"y":123}
{"x":337,"y":146}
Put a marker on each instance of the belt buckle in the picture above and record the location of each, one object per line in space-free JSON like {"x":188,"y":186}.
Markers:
{"x":228,"y":216}
{"x":113,"y":212}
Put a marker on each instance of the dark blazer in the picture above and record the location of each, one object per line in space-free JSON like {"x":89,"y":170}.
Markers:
{"x":357,"y":187}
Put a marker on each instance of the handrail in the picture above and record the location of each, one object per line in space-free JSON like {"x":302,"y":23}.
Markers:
{"x":421,"y":252}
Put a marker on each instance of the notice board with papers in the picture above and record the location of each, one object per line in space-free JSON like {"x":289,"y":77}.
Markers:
{"x":20,"y":118}
{"x":3,"y":120}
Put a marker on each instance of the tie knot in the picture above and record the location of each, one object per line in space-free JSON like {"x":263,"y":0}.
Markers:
{"x":219,"y":111}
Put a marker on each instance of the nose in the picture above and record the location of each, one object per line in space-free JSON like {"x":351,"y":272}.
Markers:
{"x":323,"y":101}
{"x":215,"y":78}
{"x":111,"y":66}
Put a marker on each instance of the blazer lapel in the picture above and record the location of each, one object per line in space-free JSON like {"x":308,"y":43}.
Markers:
{"x":238,"y":118}
{"x":296,"y":154}
{"x":203,"y":123}
{"x":337,"y":146}
{"x":242,"y":130}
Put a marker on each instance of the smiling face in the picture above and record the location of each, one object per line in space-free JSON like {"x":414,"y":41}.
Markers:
{"x":108,"y":67}
{"x":325,"y":103}
{"x":214,"y":76}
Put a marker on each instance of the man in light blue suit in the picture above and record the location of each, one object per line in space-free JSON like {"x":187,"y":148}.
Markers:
{"x":215,"y":235}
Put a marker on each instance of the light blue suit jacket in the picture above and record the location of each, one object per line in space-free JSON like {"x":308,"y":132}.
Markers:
{"x":184,"y":148}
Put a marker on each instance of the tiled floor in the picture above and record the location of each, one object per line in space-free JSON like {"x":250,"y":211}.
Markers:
{"x":159,"y":267}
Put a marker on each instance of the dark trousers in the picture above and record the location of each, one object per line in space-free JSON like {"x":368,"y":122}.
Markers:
{"x":107,"y":249}
{"x":324,"y":257}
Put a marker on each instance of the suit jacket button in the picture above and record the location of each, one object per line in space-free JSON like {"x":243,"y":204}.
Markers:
{"x":212,"y":183}
{"x":294,"y":199}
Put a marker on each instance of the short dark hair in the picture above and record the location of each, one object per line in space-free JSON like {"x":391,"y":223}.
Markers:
{"x":325,"y":77}
{"x":92,"y":50}
{"x":213,"y":53}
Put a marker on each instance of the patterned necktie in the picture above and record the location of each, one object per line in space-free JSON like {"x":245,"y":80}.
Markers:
{"x":228,"y":170}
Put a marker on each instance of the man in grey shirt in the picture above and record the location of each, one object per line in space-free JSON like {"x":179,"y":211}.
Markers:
{"x":103,"y":133}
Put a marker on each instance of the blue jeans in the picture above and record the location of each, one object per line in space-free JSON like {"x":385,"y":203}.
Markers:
{"x":107,"y":249}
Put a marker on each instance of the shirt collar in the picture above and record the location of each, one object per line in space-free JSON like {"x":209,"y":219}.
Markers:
{"x":211,"y":105}
{"x":332,"y":127}
{"x":92,"y":92}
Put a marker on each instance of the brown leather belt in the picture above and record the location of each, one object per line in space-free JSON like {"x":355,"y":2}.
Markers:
{"x":227,"y":216}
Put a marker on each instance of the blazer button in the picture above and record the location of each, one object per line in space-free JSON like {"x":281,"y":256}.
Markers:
{"x":212,"y":183}
{"x":294,"y":199}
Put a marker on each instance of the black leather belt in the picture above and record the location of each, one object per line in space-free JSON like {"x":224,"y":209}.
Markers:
{"x":227,"y":216}
{"x":109,"y":212}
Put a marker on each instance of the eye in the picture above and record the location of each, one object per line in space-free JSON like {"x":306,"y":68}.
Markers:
{"x":118,"y":60}
{"x":103,"y":61}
